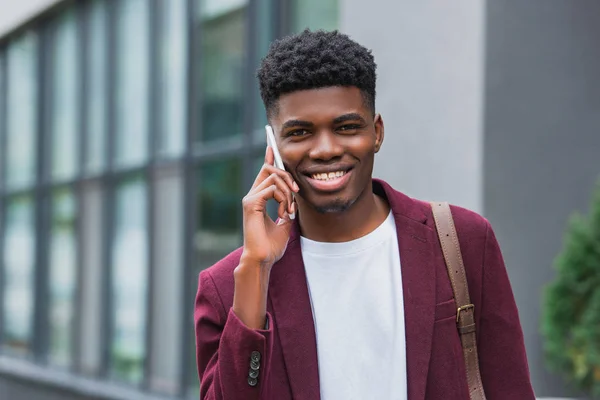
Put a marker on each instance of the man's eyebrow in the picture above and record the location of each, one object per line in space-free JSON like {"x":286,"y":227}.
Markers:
{"x":296,"y":122}
{"x":349,"y":117}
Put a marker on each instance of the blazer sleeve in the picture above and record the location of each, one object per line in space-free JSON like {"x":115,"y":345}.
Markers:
{"x":228,"y":353}
{"x":502,"y":356}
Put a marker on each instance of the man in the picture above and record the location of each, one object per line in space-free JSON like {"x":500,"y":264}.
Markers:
{"x":351,"y":299}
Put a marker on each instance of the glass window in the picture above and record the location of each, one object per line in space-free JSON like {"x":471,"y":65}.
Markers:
{"x":314,"y":14}
{"x":173,"y":58}
{"x":22,"y":109}
{"x":96,"y":96}
{"x":223,"y":54}
{"x":19,"y":264}
{"x":129,"y":281}
{"x":219,"y":229}
{"x":265,"y":35}
{"x":65,"y":99}
{"x":132,"y":90}
{"x":62,"y":277}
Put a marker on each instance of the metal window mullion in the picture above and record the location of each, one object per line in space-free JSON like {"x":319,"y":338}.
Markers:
{"x":42,"y":204}
{"x":3,"y":119}
{"x":193,"y":115}
{"x":155,"y":29}
{"x":3,"y":152}
{"x":82,"y":20}
{"x":108,"y":191}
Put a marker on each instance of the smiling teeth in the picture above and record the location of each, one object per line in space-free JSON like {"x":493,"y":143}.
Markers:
{"x":329,"y":176}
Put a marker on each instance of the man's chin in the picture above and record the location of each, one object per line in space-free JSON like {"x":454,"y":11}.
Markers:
{"x":338,"y":206}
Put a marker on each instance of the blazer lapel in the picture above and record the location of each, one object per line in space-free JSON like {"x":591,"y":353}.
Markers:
{"x":417,"y":258}
{"x":292,"y":311}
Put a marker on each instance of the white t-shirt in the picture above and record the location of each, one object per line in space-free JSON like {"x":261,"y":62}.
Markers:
{"x":358,"y":308}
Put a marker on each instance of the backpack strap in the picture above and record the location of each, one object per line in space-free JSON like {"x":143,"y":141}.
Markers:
{"x":465,"y":313}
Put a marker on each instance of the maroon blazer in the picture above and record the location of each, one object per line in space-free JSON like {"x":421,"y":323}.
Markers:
{"x":285,"y":354}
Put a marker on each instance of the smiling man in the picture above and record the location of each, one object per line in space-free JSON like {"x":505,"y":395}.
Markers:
{"x":351,"y":299}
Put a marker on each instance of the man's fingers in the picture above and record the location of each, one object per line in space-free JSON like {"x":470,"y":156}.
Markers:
{"x":275,"y":179}
{"x":256,"y":201}
{"x":269,"y":169}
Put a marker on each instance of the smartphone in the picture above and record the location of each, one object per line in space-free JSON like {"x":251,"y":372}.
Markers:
{"x":278,"y":161}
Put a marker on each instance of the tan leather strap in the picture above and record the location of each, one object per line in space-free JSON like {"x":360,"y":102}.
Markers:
{"x":465,"y":314}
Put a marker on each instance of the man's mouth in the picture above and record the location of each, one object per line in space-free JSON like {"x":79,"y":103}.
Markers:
{"x":332,"y":181}
{"x":328,"y":176}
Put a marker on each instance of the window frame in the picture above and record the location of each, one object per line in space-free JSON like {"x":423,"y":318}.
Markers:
{"x":247,"y":148}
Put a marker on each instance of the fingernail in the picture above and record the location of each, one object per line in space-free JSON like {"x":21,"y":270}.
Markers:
{"x":296,"y":188}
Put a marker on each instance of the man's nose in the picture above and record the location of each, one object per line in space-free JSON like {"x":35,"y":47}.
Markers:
{"x":326,"y":146}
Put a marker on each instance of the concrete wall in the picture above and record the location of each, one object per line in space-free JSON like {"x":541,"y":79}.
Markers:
{"x":429,"y":91}
{"x":507,"y":93}
{"x":14,"y":13}
{"x":542,"y":141}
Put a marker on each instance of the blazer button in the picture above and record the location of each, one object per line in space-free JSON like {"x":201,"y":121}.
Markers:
{"x":253,"y":374}
{"x":255,"y":356}
{"x":252,"y":381}
{"x":254,"y":365}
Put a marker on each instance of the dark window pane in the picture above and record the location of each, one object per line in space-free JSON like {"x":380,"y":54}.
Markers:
{"x":22,"y":108}
{"x":19,"y":266}
{"x":219,"y":229}
{"x":223,"y":53}
{"x":64,"y":103}
{"x":132,"y":89}
{"x":96,"y":96}
{"x":62,"y":277}
{"x":129,"y":281}
{"x":173,"y":59}
{"x":265,"y":35}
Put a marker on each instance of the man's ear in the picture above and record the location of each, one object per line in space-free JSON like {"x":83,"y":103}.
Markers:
{"x":379,"y":132}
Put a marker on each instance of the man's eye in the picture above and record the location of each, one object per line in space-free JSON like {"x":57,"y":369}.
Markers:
{"x":298,"y":132}
{"x":349,"y":127}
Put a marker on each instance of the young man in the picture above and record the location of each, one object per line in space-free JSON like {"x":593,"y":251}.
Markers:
{"x":351,"y":299}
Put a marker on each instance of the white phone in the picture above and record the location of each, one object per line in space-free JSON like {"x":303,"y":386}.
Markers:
{"x":278,"y":161}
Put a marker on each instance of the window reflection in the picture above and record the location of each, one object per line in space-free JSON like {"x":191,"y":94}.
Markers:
{"x":129,"y":281}
{"x":96,"y":96}
{"x":223,"y":33}
{"x":132,"y":89}
{"x":21,"y":110}
{"x":219,"y":203}
{"x":62,"y":277}
{"x":19,"y":261}
{"x":65,"y":75}
{"x":219,"y":229}
{"x":173,"y":59}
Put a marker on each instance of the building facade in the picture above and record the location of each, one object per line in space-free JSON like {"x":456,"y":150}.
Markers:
{"x":131,"y":129}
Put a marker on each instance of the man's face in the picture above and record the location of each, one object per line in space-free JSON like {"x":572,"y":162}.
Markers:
{"x":328,"y":138}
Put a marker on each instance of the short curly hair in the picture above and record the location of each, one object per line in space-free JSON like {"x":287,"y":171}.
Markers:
{"x":315,"y":59}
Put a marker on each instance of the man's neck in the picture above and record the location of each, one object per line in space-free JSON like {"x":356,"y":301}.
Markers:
{"x":364,"y":216}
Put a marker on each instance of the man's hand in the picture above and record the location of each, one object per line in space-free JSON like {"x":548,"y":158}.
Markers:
{"x":264,"y":240}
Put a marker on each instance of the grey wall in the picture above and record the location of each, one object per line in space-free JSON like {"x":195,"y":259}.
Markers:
{"x":429,"y":90}
{"x":542,"y":141}
{"x":16,"y":13}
